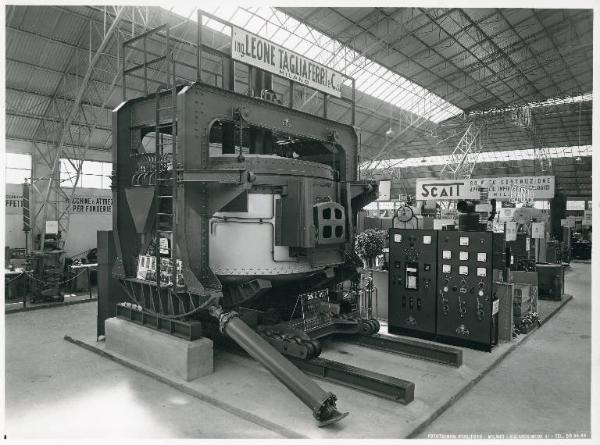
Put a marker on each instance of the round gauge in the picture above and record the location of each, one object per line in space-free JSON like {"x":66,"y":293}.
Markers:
{"x":405,"y":214}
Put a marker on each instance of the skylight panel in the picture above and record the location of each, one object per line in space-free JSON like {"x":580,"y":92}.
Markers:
{"x":382,"y":86}
{"x":314,"y":53}
{"x":371,"y":77}
{"x":280,"y":35}
{"x":487,"y":156}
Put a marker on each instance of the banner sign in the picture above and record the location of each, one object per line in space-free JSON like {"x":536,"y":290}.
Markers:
{"x":587,"y":218}
{"x":261,"y":53}
{"x":90,"y":204}
{"x":498,"y":188}
{"x":79,"y":204}
{"x":13,"y":202}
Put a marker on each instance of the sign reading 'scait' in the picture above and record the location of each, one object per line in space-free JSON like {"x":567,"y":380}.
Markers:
{"x":436,"y":189}
{"x":261,"y":53}
{"x":500,"y":188}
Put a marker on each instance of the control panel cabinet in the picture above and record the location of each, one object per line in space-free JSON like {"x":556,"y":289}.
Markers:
{"x":412,"y":282}
{"x":466,"y":311}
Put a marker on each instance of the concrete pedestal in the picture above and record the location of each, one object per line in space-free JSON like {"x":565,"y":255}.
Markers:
{"x":174,"y":356}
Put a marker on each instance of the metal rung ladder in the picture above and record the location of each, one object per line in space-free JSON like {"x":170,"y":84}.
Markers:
{"x":165,"y":186}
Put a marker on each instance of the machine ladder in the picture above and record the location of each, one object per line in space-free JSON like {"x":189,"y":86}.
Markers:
{"x":165,"y":167}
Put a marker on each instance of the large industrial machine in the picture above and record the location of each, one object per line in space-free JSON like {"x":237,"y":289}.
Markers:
{"x":233,"y":216}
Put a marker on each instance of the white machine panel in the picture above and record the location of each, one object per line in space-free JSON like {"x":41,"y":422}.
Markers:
{"x":246,"y":247}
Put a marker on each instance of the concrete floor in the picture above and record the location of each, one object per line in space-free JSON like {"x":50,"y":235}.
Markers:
{"x":543,"y":386}
{"x":55,"y":389}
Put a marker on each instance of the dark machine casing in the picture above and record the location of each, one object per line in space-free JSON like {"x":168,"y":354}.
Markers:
{"x":467,"y":310}
{"x":551,"y":281}
{"x":412,"y":282}
{"x":110,"y":291}
{"x":518,"y":250}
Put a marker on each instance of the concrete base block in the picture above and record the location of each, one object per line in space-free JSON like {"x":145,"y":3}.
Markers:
{"x":174,"y":356}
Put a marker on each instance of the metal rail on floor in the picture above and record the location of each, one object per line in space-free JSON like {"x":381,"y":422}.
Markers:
{"x":381,"y":385}
{"x":37,"y":306}
{"x":446,"y":355}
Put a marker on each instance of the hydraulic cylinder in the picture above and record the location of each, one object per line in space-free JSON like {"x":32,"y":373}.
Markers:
{"x":321,"y":403}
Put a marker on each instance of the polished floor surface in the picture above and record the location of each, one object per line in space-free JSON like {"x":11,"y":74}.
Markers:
{"x":55,"y":389}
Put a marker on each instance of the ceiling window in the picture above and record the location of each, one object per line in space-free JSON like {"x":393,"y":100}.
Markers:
{"x":371,"y":77}
{"x":486,"y":156}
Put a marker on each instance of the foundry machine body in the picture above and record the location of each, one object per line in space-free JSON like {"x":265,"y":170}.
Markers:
{"x":251,"y":228}
{"x":233,"y":217}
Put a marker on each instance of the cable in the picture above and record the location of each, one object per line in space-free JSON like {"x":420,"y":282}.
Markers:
{"x":15,"y":278}
{"x":149,"y":312}
{"x":49,"y":282}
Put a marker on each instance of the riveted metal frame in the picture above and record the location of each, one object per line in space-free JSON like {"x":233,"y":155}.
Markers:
{"x":205,"y":183}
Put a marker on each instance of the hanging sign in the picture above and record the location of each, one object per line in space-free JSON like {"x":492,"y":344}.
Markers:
{"x":498,"y":188}
{"x":506,"y":214}
{"x":448,"y":214}
{"x":587,"y":218}
{"x":261,"y":53}
{"x":385,"y":188}
{"x":52,"y":227}
{"x":443,"y":190}
{"x":537,"y":230}
{"x":567,"y":222}
{"x":511,"y":231}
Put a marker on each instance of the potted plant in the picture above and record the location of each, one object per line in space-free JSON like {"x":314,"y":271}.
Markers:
{"x":368,"y":245}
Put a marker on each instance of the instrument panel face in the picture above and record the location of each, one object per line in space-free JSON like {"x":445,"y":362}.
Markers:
{"x":464,"y":298}
{"x":412,"y":281}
